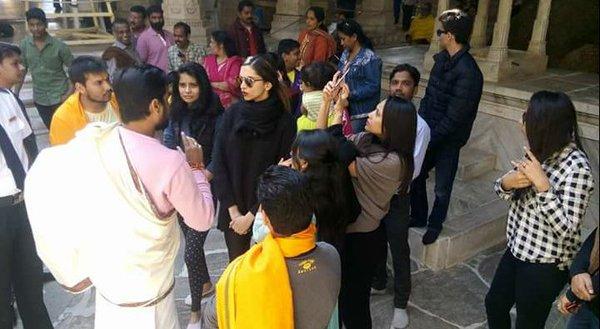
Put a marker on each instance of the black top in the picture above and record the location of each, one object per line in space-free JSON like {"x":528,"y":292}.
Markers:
{"x":580,"y":264}
{"x":452,"y":97}
{"x":252,"y":136}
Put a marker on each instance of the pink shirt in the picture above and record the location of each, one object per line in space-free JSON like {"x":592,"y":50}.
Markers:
{"x":169,"y":180}
{"x":153,"y":47}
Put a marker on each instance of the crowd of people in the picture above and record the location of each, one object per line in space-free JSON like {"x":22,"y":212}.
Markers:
{"x":307,"y":172}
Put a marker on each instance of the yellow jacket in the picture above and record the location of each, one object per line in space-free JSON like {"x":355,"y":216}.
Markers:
{"x":69,"y":118}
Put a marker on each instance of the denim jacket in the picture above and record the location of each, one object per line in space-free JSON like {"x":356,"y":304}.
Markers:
{"x":364,"y":81}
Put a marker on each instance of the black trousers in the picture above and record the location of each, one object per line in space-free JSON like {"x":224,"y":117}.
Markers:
{"x":396,"y":225}
{"x":444,"y":158}
{"x":195,"y":260}
{"x":46,"y":112}
{"x":362,"y":253}
{"x":407,"y":14}
{"x":532,"y":287}
{"x":237,"y":244}
{"x":20,"y":270}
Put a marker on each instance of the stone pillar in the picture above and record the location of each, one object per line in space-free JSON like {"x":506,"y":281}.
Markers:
{"x":192,"y":13}
{"x":377,"y":21}
{"x":434,"y":47}
{"x":499,"y":49}
{"x":537,"y":44}
{"x":288,"y":20}
{"x":478,"y":39}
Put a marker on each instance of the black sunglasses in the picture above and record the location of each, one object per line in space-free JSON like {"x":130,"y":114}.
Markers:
{"x":249,"y":81}
{"x":440,"y":32}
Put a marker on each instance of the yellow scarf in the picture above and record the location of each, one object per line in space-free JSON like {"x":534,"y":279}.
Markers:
{"x":254,"y":291}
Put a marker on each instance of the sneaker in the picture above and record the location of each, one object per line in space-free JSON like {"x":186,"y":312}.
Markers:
{"x":188,"y":300}
{"x":378,"y":291}
{"x":400,"y":319}
{"x":430,"y":236}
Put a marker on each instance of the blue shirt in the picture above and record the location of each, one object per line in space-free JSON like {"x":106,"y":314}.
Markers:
{"x":363,"y":79}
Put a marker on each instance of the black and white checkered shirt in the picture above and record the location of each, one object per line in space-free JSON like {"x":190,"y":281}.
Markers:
{"x":545,"y":227}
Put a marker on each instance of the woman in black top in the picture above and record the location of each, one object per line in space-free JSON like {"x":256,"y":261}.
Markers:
{"x":255,"y":133}
{"x":325,"y":161}
{"x":195,"y":111}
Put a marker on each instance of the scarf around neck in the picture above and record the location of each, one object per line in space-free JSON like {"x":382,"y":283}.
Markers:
{"x":254,"y":291}
{"x":259,"y":118}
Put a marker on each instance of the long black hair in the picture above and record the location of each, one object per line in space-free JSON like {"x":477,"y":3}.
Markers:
{"x":399,"y":125}
{"x":268,"y":72}
{"x":330,"y":184}
{"x":350,"y":27}
{"x":319,"y":13}
{"x":550,"y":123}
{"x":202,"y":106}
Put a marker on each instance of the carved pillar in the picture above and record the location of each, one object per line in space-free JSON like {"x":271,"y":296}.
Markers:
{"x":499,"y":49}
{"x":192,"y":13}
{"x":288,"y":20}
{"x":377,"y":22}
{"x":478,"y":39}
{"x":537,"y":44}
{"x":434,"y":47}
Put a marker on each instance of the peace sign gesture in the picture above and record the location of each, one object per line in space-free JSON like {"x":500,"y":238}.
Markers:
{"x":532,"y":168}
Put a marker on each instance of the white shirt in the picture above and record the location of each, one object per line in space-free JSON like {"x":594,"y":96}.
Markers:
{"x":17,"y":128}
{"x":421,"y":143}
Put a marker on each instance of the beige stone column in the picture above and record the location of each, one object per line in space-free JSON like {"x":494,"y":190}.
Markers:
{"x":537,"y":44}
{"x":499,"y":49}
{"x":434,"y":47}
{"x":478,"y":38}
{"x":288,"y":20}
{"x":376,"y":20}
{"x":190,"y":12}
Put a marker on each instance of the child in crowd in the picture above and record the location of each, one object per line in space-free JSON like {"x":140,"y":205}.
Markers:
{"x":314,"y":78}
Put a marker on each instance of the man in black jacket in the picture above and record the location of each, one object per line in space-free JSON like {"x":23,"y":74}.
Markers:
{"x":449,"y":108}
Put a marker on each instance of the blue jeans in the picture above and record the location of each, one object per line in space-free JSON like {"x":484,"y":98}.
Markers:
{"x":583,"y":319}
{"x":444,"y":158}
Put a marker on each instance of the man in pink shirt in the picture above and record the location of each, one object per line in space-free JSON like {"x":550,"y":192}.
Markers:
{"x":103,"y":207}
{"x":153,"y":44}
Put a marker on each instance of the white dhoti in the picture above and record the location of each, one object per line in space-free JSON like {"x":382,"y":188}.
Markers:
{"x":92,"y":218}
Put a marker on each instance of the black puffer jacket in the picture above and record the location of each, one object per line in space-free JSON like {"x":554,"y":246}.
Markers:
{"x":452,"y":97}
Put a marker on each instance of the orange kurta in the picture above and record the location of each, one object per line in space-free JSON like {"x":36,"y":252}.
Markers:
{"x":69,"y":118}
{"x":315,"y":46}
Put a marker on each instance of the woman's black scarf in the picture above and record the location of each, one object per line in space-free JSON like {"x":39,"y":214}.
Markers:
{"x":259,"y":118}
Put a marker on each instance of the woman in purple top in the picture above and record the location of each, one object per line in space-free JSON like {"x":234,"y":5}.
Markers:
{"x":223,"y":68}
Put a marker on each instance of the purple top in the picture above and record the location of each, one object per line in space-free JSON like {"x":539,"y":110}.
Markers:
{"x":153,"y":47}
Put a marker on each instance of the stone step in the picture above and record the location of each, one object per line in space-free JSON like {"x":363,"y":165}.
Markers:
{"x":463,"y":236}
{"x":474,"y":163}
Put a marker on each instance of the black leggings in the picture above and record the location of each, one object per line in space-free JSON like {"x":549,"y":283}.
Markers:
{"x":532,"y":287}
{"x":195,"y":262}
{"x":362,"y":253}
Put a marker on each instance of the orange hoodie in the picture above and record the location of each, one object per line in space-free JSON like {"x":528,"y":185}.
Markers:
{"x":69,"y":118}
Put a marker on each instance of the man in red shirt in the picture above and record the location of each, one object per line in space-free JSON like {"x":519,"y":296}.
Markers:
{"x":244,"y":31}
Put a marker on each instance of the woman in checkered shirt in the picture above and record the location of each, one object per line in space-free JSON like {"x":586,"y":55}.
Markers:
{"x":548,"y":192}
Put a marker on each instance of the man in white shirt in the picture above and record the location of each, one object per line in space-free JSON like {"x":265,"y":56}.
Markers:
{"x":404,"y":83}
{"x":21,"y":269}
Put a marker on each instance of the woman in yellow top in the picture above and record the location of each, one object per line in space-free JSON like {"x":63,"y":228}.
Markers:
{"x":421,"y":27}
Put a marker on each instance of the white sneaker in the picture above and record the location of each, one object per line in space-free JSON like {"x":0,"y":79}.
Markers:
{"x":378,"y":291}
{"x":188,"y":300}
{"x":400,"y":319}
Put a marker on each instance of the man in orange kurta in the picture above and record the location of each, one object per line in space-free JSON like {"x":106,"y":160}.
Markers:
{"x":93,"y":100}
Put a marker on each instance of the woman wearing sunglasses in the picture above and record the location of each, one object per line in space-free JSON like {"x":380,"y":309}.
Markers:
{"x":383,"y":166}
{"x":254,"y":134}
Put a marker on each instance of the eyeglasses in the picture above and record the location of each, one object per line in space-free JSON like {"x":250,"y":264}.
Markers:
{"x":249,"y":81}
{"x":440,"y":32}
